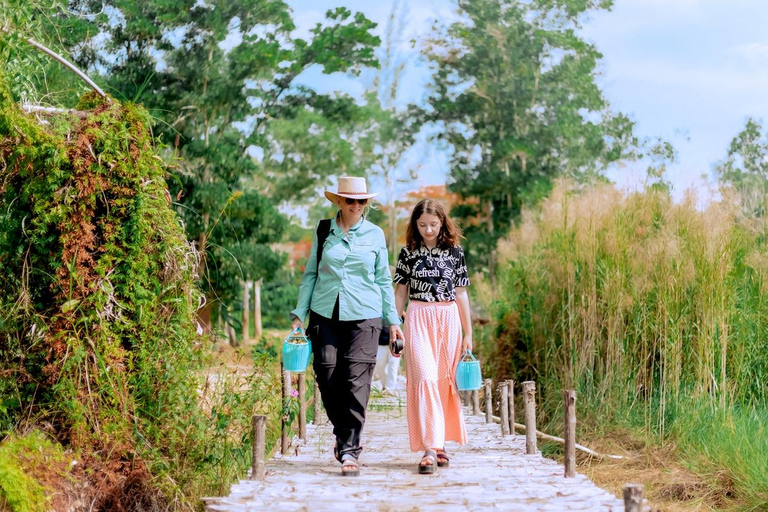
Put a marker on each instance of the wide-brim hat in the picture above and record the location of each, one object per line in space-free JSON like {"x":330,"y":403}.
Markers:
{"x":351,"y":187}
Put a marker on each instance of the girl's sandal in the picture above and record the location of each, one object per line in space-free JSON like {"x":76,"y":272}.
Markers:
{"x":442,"y":459}
{"x":349,"y":466}
{"x":428,"y":463}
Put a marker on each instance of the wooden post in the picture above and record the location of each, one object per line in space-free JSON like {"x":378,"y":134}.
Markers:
{"x":285,"y":426}
{"x":633,"y":497}
{"x":569,"y":417}
{"x":504,"y":407}
{"x":319,"y":416}
{"x":246,"y":314}
{"x":488,"y":401}
{"x":259,"y":447}
{"x":476,"y":402}
{"x":529,"y":393}
{"x":303,"y":406}
{"x":257,"y":325}
{"x":511,"y":401}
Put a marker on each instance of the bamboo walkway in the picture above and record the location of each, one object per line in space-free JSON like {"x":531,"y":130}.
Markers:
{"x":490,"y":472}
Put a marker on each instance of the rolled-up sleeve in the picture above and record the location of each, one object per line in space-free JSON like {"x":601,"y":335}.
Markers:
{"x":384,"y":280}
{"x":307,"y":282}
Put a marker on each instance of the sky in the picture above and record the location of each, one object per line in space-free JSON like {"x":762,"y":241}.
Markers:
{"x":690,"y":71}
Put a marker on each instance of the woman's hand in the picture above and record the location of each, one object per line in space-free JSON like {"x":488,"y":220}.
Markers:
{"x":296,"y":323}
{"x":467,"y":343}
{"x":395,"y":333}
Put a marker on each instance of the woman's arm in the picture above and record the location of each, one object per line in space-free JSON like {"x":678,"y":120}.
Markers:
{"x":307,"y":286}
{"x":462,"y":300}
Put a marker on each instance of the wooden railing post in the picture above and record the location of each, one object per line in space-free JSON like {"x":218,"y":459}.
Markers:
{"x":633,"y":497}
{"x":529,"y":393}
{"x":504,"y":407}
{"x":511,"y":401}
{"x":303,"y":406}
{"x":319,"y":415}
{"x":476,"y":402}
{"x":259,"y":447}
{"x":569,"y":417}
{"x":488,"y":401}
{"x":285,"y":426}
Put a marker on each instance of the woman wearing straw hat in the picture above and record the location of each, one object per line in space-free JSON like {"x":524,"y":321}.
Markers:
{"x":346,"y":291}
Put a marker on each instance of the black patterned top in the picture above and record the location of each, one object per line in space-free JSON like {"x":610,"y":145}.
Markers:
{"x":432,"y":275}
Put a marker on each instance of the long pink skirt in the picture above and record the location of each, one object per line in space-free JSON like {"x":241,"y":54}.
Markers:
{"x":432,"y":352}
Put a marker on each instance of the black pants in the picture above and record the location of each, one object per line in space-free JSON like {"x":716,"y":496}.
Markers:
{"x":345,"y":355}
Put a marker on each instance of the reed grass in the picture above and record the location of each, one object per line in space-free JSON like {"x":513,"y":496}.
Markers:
{"x":653,"y":310}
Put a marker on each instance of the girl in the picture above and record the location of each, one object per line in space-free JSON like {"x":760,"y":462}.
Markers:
{"x":432,"y":273}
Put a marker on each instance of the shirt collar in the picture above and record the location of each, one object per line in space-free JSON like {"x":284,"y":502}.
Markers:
{"x":335,"y":226}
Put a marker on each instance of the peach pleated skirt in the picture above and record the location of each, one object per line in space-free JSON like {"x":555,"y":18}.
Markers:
{"x":432,"y":352}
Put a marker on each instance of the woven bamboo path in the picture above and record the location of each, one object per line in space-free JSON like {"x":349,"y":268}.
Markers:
{"x":490,"y":472}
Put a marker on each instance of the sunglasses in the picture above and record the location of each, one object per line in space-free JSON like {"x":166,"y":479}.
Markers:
{"x":351,"y":201}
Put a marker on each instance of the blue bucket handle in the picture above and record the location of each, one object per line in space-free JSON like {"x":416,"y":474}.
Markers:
{"x":468,"y":354}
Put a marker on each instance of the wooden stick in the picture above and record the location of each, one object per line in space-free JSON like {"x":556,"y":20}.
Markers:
{"x":504,"y":408}
{"x":569,"y":417}
{"x":476,"y":402}
{"x":303,"y":406}
{"x":633,"y":497}
{"x":63,"y":61}
{"x":529,"y":393}
{"x":285,"y":427}
{"x":258,"y":468}
{"x":52,"y":111}
{"x":511,"y":400}
{"x":488,"y":401}
{"x":319,"y":416}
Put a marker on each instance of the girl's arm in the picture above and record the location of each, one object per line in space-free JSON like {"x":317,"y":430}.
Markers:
{"x":401,"y":294}
{"x":462,"y":300}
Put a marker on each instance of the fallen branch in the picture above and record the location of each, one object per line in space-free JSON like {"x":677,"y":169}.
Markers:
{"x":51,"y":111}
{"x":542,"y":435}
{"x":63,"y":61}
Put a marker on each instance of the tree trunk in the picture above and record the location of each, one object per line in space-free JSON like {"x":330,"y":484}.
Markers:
{"x":257,"y":327}
{"x":246,"y":313}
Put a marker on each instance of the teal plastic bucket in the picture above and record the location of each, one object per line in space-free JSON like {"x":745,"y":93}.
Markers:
{"x":297,"y":349}
{"x":468,"y":375}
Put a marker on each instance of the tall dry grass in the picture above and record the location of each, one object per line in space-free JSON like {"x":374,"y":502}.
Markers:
{"x":650,"y":309}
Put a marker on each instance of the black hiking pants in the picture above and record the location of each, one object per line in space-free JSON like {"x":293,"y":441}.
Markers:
{"x":345,"y":355}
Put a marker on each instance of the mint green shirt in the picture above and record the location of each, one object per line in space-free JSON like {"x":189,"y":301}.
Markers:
{"x":354,"y":268}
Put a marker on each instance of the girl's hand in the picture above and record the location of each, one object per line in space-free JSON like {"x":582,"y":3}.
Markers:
{"x":395,"y":333}
{"x":467,"y":343}
{"x":296,"y":323}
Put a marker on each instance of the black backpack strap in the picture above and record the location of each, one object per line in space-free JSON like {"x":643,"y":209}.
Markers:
{"x":323,"y":230}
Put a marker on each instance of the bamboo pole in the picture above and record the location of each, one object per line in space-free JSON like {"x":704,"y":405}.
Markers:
{"x":258,"y":468}
{"x":476,"y":402}
{"x":633,"y":497}
{"x":258,"y":328}
{"x":246,"y":314}
{"x":511,"y":403}
{"x":529,"y":393}
{"x":61,"y":60}
{"x":303,"y":406}
{"x":488,"y":401}
{"x":319,"y":415}
{"x":285,"y":426}
{"x":504,"y":407}
{"x":569,"y":417}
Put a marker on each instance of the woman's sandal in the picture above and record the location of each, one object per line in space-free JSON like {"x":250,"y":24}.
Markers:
{"x":442,"y":459}
{"x":349,"y":466}
{"x":428,"y":463}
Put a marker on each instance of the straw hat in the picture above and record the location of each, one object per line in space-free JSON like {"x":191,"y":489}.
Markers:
{"x":352,"y":187}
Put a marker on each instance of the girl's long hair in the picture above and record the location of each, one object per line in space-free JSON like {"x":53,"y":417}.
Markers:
{"x":449,"y":235}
